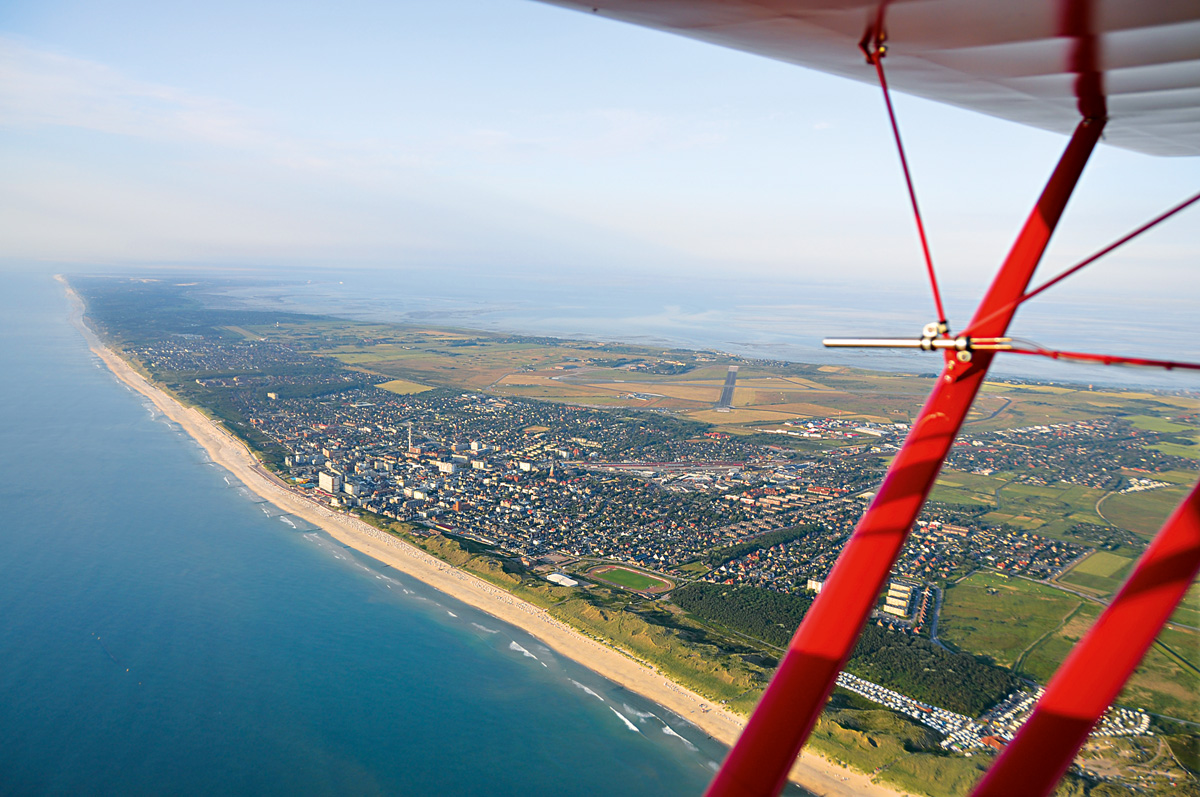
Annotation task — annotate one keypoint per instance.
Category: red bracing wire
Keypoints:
(1107, 359)
(1088, 261)
(876, 58)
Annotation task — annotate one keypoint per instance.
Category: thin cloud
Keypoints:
(40, 89)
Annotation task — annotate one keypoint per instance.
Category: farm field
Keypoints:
(1102, 564)
(957, 487)
(403, 387)
(1048, 509)
(1153, 423)
(1102, 572)
(1191, 452)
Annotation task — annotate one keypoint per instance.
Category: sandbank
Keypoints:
(811, 771)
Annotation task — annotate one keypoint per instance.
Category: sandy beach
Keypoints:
(811, 771)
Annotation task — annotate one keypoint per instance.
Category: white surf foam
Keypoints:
(669, 731)
(452, 614)
(485, 628)
(514, 646)
(642, 715)
(625, 720)
(287, 520)
(589, 691)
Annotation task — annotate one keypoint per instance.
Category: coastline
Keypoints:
(811, 771)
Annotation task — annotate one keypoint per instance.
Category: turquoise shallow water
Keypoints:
(163, 632)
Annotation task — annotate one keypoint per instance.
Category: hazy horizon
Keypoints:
(515, 137)
(775, 320)
(520, 148)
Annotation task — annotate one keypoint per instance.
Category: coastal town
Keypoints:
(566, 492)
(550, 480)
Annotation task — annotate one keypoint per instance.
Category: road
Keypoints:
(933, 624)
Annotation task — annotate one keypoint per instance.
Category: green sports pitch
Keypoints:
(627, 578)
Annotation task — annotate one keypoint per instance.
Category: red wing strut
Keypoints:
(1043, 63)
(759, 762)
(1089, 680)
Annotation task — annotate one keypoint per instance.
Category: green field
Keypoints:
(1101, 585)
(957, 487)
(634, 580)
(1188, 612)
(1102, 573)
(1089, 578)
(1184, 432)
(992, 615)
(1187, 478)
(1103, 564)
(1189, 452)
(1153, 423)
(1034, 626)
(1166, 682)
(1142, 512)
(1048, 509)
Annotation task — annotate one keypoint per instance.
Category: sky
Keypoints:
(512, 136)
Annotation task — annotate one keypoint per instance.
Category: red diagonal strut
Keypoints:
(1089, 680)
(759, 762)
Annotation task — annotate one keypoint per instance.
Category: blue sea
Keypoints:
(165, 632)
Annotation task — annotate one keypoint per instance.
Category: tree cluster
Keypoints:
(720, 556)
(919, 668)
(760, 613)
(911, 665)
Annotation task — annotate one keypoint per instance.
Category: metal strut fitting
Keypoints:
(935, 336)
